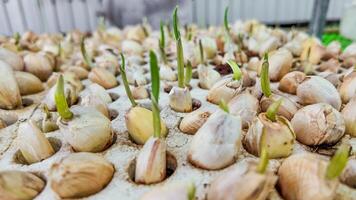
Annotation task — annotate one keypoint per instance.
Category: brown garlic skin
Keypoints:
(318, 124)
(39, 65)
(242, 182)
(11, 58)
(302, 177)
(348, 176)
(175, 191)
(19, 185)
(287, 109)
(28, 83)
(347, 88)
(349, 115)
(10, 97)
(289, 83)
(280, 63)
(225, 89)
(102, 77)
(191, 123)
(80, 175)
(315, 89)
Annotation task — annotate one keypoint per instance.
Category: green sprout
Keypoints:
(237, 74)
(162, 43)
(61, 101)
(273, 109)
(338, 162)
(188, 73)
(87, 59)
(155, 94)
(180, 56)
(223, 106)
(188, 32)
(265, 83)
(226, 22)
(17, 38)
(126, 83)
(262, 165)
(101, 24)
(143, 26)
(191, 191)
(201, 50)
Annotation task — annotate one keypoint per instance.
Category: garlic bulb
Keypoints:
(32, 142)
(28, 83)
(141, 130)
(242, 182)
(70, 93)
(151, 161)
(348, 176)
(88, 130)
(38, 65)
(10, 97)
(280, 63)
(192, 122)
(349, 115)
(97, 103)
(102, 77)
(315, 89)
(318, 124)
(290, 82)
(348, 87)
(11, 58)
(246, 106)
(287, 109)
(207, 76)
(302, 176)
(216, 144)
(180, 99)
(167, 73)
(175, 191)
(98, 90)
(19, 185)
(80, 175)
(225, 89)
(140, 92)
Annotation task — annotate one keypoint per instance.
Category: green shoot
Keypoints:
(176, 24)
(60, 50)
(188, 73)
(265, 83)
(101, 24)
(237, 74)
(180, 56)
(61, 101)
(17, 38)
(191, 191)
(143, 26)
(262, 165)
(201, 50)
(273, 109)
(226, 22)
(87, 59)
(156, 117)
(188, 32)
(338, 162)
(126, 83)
(223, 106)
(168, 26)
(162, 43)
(155, 81)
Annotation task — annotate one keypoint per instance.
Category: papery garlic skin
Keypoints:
(69, 92)
(216, 144)
(349, 115)
(315, 89)
(38, 65)
(280, 63)
(167, 73)
(32, 142)
(97, 103)
(19, 185)
(98, 90)
(10, 97)
(289, 83)
(302, 177)
(175, 191)
(191, 123)
(209, 47)
(140, 92)
(141, 130)
(348, 176)
(131, 47)
(243, 183)
(102, 77)
(151, 162)
(207, 76)
(180, 99)
(318, 124)
(11, 58)
(28, 83)
(80, 72)
(225, 89)
(88, 130)
(287, 109)
(347, 88)
(80, 175)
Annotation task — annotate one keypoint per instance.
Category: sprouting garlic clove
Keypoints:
(315, 89)
(216, 144)
(225, 89)
(49, 122)
(102, 77)
(39, 65)
(302, 176)
(80, 175)
(254, 64)
(28, 83)
(318, 124)
(11, 58)
(88, 130)
(140, 92)
(98, 90)
(242, 182)
(97, 103)
(192, 122)
(32, 142)
(287, 109)
(348, 87)
(348, 176)
(278, 137)
(174, 191)
(167, 73)
(349, 115)
(207, 76)
(141, 130)
(108, 62)
(80, 72)
(289, 83)
(136, 33)
(10, 97)
(280, 63)
(136, 78)
(130, 47)
(70, 94)
(180, 99)
(313, 52)
(209, 47)
(72, 79)
(19, 185)
(151, 162)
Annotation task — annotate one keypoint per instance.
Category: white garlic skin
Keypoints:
(28, 83)
(99, 91)
(11, 58)
(347, 88)
(225, 89)
(289, 82)
(191, 123)
(349, 115)
(97, 103)
(287, 109)
(280, 63)
(180, 99)
(38, 64)
(348, 176)
(174, 191)
(10, 97)
(207, 76)
(69, 92)
(167, 73)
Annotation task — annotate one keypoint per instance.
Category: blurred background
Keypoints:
(64, 15)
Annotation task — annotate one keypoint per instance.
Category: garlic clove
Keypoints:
(70, 93)
(88, 131)
(317, 52)
(287, 109)
(151, 162)
(289, 83)
(80, 72)
(318, 124)
(11, 58)
(348, 87)
(80, 175)
(10, 97)
(97, 103)
(280, 63)
(32, 142)
(16, 185)
(98, 90)
(225, 89)
(175, 191)
(28, 83)
(49, 122)
(136, 33)
(38, 65)
(349, 115)
(167, 73)
(180, 99)
(192, 122)
(348, 176)
(140, 92)
(141, 130)
(207, 76)
(216, 144)
(102, 77)
(130, 47)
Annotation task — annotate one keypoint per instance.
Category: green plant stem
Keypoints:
(226, 22)
(162, 43)
(61, 102)
(126, 83)
(338, 162)
(237, 74)
(191, 191)
(17, 38)
(201, 50)
(188, 73)
(223, 106)
(180, 56)
(155, 80)
(265, 82)
(101, 24)
(156, 118)
(262, 165)
(273, 109)
(87, 59)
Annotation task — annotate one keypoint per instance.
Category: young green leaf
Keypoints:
(180, 56)
(101, 24)
(155, 81)
(162, 43)
(61, 101)
(191, 191)
(188, 73)
(237, 74)
(17, 38)
(124, 80)
(176, 24)
(223, 106)
(143, 26)
(156, 117)
(87, 59)
(273, 109)
(201, 50)
(338, 162)
(262, 165)
(226, 22)
(265, 83)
